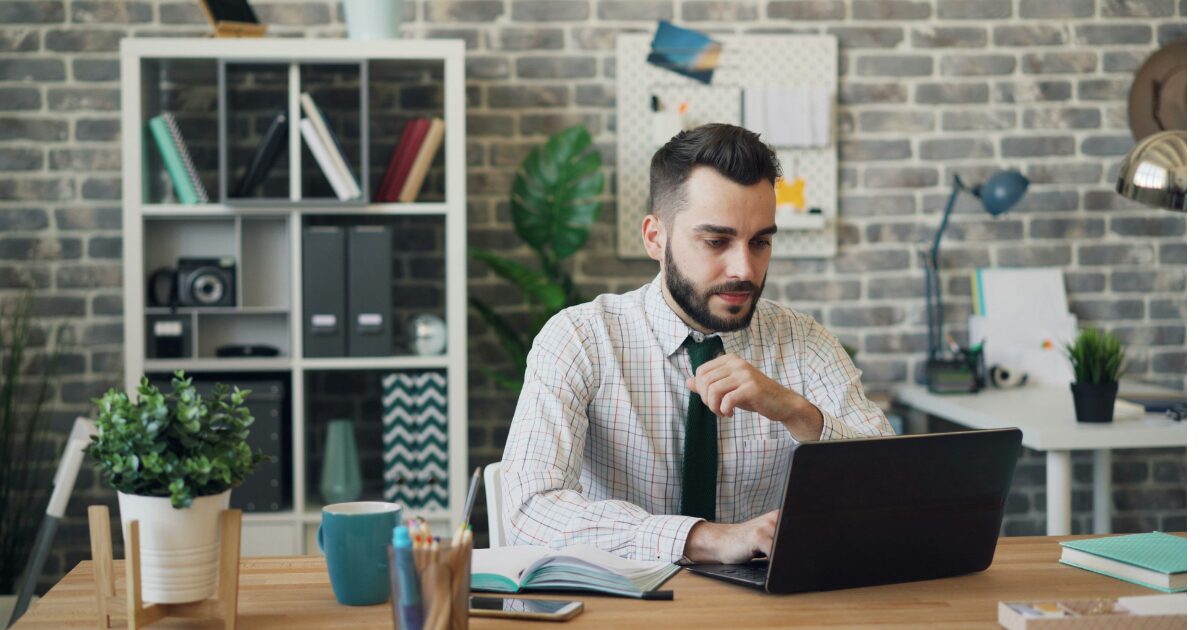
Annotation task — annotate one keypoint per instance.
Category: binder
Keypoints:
(369, 278)
(324, 254)
(270, 147)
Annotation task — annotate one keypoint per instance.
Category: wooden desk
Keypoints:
(295, 593)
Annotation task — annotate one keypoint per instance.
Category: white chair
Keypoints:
(497, 537)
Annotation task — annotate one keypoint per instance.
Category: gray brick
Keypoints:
(851, 206)
(823, 290)
(486, 68)
(465, 10)
(881, 372)
(31, 12)
(1032, 91)
(1066, 228)
(181, 13)
(95, 70)
(292, 13)
(530, 39)
(1123, 254)
(23, 219)
(469, 36)
(1168, 33)
(91, 275)
(1106, 145)
(20, 98)
(1033, 256)
(86, 159)
(37, 129)
(1102, 34)
(1035, 146)
(1159, 224)
(1123, 61)
(490, 125)
(973, 9)
(894, 343)
(1172, 253)
(1048, 201)
(852, 37)
(36, 189)
(589, 38)
(1074, 62)
(872, 93)
(549, 10)
(546, 124)
(600, 95)
(1056, 8)
(1170, 363)
(1170, 308)
(19, 40)
(83, 99)
(1084, 282)
(1170, 472)
(990, 229)
(1138, 8)
(514, 96)
(719, 10)
(631, 10)
(24, 276)
(895, 66)
(890, 10)
(96, 129)
(20, 159)
(88, 218)
(1108, 200)
(108, 305)
(865, 316)
(898, 121)
(978, 65)
(26, 69)
(510, 155)
(40, 248)
(807, 10)
(955, 93)
(83, 40)
(899, 233)
(1158, 281)
(104, 247)
(900, 177)
(955, 148)
(1104, 89)
(948, 37)
(1061, 118)
(1029, 35)
(865, 150)
(986, 120)
(58, 306)
(872, 260)
(557, 67)
(111, 12)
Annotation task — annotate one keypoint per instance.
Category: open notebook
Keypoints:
(577, 568)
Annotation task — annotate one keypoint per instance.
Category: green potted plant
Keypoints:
(554, 204)
(173, 459)
(1098, 360)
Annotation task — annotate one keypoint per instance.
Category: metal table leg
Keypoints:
(1102, 491)
(1058, 493)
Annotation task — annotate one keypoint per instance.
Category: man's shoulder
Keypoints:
(602, 308)
(777, 318)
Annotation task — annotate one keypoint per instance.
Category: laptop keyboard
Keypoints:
(755, 573)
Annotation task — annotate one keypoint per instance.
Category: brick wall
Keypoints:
(928, 88)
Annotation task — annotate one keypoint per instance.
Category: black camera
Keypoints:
(206, 282)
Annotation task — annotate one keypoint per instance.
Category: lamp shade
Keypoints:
(1002, 191)
(1155, 171)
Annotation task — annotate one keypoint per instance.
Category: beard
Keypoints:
(694, 302)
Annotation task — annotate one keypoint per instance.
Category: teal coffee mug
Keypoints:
(354, 538)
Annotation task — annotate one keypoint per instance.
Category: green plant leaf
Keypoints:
(515, 345)
(547, 186)
(536, 286)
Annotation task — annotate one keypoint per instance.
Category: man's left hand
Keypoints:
(730, 382)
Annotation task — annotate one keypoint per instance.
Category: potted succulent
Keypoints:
(1098, 360)
(173, 459)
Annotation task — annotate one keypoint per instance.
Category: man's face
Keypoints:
(717, 251)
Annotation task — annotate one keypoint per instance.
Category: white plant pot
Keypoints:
(179, 548)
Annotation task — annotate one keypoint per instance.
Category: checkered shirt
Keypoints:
(595, 451)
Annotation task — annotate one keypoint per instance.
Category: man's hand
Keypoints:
(729, 382)
(731, 544)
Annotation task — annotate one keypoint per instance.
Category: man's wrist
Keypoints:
(806, 420)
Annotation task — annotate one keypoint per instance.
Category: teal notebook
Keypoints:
(577, 568)
(1154, 560)
(165, 134)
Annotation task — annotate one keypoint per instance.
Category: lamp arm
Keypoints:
(933, 281)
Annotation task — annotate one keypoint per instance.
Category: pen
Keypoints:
(474, 489)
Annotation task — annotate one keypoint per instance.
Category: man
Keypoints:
(618, 441)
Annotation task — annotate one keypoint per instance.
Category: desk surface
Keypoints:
(294, 593)
(1046, 416)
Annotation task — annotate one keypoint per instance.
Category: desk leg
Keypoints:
(1102, 491)
(1058, 493)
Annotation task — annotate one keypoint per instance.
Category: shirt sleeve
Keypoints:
(834, 385)
(543, 501)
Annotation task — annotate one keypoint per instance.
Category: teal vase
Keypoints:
(341, 480)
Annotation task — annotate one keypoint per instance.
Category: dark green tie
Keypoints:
(699, 496)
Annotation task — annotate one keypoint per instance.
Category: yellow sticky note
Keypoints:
(790, 192)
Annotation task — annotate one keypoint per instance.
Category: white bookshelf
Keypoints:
(153, 223)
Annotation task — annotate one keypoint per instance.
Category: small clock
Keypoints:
(427, 335)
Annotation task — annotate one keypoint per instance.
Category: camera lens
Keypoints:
(208, 288)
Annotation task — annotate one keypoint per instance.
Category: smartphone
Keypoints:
(533, 609)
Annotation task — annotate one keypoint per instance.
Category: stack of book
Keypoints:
(411, 159)
(1155, 560)
(327, 150)
(185, 179)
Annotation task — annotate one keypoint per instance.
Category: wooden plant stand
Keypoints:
(223, 607)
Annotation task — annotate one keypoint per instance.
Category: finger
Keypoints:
(716, 392)
(736, 399)
(691, 385)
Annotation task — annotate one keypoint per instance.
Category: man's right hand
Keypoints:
(731, 544)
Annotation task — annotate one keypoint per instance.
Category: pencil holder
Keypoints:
(444, 571)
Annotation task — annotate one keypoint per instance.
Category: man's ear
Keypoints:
(654, 237)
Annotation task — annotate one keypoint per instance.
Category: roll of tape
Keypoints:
(1005, 378)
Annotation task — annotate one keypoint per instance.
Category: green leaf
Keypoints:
(536, 286)
(513, 343)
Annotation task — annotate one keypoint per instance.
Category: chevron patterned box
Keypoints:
(415, 440)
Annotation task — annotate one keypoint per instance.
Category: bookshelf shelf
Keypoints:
(223, 94)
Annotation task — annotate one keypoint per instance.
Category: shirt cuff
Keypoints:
(827, 422)
(663, 538)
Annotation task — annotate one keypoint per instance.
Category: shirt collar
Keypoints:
(670, 331)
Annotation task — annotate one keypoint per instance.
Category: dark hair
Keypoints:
(736, 153)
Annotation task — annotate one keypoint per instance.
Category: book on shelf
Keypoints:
(312, 140)
(420, 168)
(341, 165)
(393, 163)
(1155, 560)
(410, 144)
(185, 179)
(577, 568)
(265, 155)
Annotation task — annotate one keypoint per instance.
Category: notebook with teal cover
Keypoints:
(1154, 559)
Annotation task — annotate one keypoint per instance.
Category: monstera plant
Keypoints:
(554, 204)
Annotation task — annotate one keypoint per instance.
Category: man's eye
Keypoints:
(762, 242)
(714, 242)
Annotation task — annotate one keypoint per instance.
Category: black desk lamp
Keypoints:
(998, 194)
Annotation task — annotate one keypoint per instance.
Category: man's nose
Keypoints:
(739, 263)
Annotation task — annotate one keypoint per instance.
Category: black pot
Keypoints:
(1094, 402)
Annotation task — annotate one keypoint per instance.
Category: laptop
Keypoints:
(873, 511)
